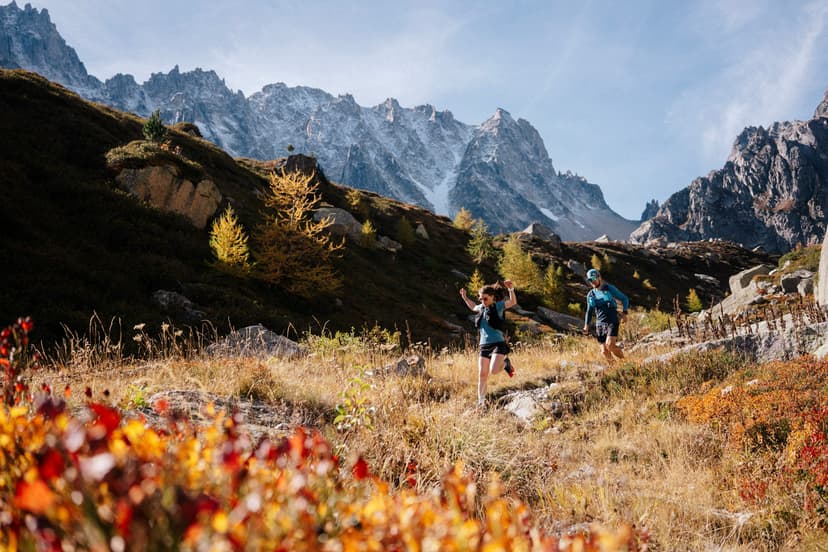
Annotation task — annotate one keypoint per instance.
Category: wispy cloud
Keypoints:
(408, 60)
(763, 80)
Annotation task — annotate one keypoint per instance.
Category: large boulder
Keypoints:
(790, 282)
(742, 280)
(255, 341)
(543, 232)
(162, 187)
(745, 290)
(576, 267)
(343, 223)
(175, 304)
(560, 321)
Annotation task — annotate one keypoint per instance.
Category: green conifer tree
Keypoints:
(154, 129)
(481, 244)
(517, 265)
(405, 232)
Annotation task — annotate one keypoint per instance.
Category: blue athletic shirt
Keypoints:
(488, 334)
(601, 302)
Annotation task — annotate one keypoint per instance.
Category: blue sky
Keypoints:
(639, 96)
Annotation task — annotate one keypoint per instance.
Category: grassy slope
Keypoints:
(622, 450)
(74, 244)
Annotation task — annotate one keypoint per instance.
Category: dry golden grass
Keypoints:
(623, 455)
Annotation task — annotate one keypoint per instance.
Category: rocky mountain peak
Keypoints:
(197, 79)
(500, 118)
(771, 193)
(822, 108)
(650, 210)
(390, 109)
(29, 40)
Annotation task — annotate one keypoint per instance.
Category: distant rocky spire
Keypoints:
(650, 210)
(822, 108)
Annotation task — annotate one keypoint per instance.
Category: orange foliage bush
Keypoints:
(116, 484)
(765, 411)
(97, 481)
(782, 416)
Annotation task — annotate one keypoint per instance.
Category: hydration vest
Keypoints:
(491, 316)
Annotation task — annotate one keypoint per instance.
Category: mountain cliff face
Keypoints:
(771, 193)
(29, 40)
(499, 170)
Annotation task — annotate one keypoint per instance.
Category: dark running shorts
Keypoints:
(501, 348)
(604, 329)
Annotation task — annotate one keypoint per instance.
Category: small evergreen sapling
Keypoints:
(368, 238)
(154, 129)
(476, 282)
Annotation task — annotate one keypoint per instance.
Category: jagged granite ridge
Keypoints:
(771, 192)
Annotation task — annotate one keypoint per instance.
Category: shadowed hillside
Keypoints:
(75, 243)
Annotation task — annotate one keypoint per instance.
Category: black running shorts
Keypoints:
(604, 329)
(501, 348)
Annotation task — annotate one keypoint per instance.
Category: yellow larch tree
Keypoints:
(228, 241)
(294, 251)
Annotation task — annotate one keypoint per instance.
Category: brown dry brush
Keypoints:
(798, 314)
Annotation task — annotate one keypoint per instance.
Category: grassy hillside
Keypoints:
(74, 244)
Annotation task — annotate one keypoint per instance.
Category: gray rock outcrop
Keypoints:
(560, 321)
(162, 187)
(343, 223)
(791, 281)
(745, 290)
(764, 343)
(175, 304)
(255, 341)
(543, 232)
